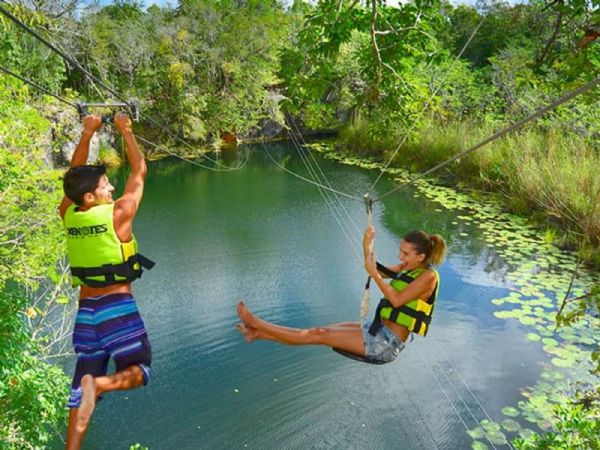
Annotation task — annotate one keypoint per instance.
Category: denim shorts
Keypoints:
(384, 346)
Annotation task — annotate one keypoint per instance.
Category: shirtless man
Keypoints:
(102, 252)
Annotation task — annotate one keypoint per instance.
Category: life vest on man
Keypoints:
(414, 315)
(96, 255)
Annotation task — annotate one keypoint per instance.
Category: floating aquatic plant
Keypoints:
(539, 276)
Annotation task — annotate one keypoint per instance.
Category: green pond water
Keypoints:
(491, 366)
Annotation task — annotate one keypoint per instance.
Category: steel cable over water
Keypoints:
(146, 141)
(435, 377)
(454, 370)
(323, 191)
(304, 145)
(334, 201)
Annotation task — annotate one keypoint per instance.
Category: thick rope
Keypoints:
(366, 298)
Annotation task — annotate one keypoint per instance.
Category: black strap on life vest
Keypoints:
(419, 316)
(126, 270)
(386, 271)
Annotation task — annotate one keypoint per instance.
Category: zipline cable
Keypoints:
(454, 370)
(326, 181)
(188, 160)
(63, 100)
(461, 398)
(322, 190)
(565, 98)
(407, 134)
(330, 199)
(435, 377)
(166, 130)
(37, 86)
(322, 186)
(91, 76)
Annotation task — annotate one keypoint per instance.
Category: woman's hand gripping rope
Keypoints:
(370, 265)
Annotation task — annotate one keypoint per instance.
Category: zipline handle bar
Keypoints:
(133, 107)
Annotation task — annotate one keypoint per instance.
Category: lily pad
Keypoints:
(476, 445)
(510, 411)
(552, 375)
(526, 433)
(511, 425)
(489, 426)
(533, 337)
(496, 437)
(559, 362)
(545, 425)
(527, 320)
(476, 433)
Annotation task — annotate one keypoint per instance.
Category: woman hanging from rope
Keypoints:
(406, 307)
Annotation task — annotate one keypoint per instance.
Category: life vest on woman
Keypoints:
(96, 255)
(414, 315)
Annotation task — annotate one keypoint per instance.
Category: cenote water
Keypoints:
(492, 361)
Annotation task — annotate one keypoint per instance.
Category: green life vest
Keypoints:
(414, 315)
(96, 255)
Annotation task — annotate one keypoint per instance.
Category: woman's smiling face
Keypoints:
(409, 257)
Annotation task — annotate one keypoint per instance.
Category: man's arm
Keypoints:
(80, 155)
(127, 205)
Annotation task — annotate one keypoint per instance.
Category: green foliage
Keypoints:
(577, 428)
(24, 55)
(108, 156)
(203, 69)
(32, 392)
(341, 64)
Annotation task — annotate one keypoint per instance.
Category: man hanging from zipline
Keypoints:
(102, 253)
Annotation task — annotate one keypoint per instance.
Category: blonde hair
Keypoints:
(432, 246)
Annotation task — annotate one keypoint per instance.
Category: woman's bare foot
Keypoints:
(246, 315)
(250, 334)
(88, 402)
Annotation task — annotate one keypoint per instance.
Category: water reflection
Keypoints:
(267, 236)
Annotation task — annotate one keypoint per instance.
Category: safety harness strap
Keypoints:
(125, 270)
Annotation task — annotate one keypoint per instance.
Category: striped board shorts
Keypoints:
(108, 326)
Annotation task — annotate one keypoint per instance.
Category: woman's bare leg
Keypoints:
(346, 335)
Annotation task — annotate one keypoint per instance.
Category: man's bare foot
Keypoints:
(250, 334)
(246, 315)
(88, 402)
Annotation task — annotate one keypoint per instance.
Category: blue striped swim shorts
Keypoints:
(108, 326)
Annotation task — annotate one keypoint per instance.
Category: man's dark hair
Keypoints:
(81, 179)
